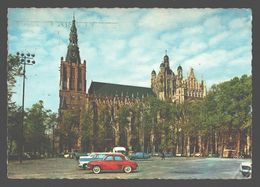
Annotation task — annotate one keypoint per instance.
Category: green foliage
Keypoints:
(69, 128)
(13, 70)
(38, 123)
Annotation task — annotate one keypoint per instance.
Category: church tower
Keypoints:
(72, 90)
(72, 75)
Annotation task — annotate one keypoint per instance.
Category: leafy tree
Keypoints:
(14, 129)
(36, 120)
(69, 129)
(14, 69)
(87, 129)
(14, 112)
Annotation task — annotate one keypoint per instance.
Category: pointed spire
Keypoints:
(73, 49)
(192, 73)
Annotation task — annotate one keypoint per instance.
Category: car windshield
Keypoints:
(83, 159)
(246, 167)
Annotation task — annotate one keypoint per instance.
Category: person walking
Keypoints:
(163, 156)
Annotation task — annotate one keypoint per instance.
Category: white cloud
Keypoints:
(163, 19)
(240, 23)
(218, 38)
(213, 25)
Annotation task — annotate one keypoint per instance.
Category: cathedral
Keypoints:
(174, 88)
(165, 85)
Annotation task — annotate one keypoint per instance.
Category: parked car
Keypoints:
(84, 160)
(113, 162)
(197, 155)
(78, 154)
(119, 150)
(246, 169)
(139, 155)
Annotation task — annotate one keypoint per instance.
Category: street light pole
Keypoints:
(24, 60)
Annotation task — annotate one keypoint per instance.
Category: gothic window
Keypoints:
(73, 73)
(72, 78)
(64, 81)
(79, 79)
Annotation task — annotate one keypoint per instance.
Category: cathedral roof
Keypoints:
(108, 89)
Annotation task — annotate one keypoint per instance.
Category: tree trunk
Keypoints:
(116, 133)
(248, 143)
(216, 143)
(184, 145)
(128, 132)
(152, 142)
(238, 142)
(206, 146)
(222, 146)
(188, 146)
(141, 132)
(199, 144)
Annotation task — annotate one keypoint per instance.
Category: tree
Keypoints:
(13, 127)
(87, 129)
(36, 124)
(69, 129)
(14, 69)
(14, 112)
(230, 105)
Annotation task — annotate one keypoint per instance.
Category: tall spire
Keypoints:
(73, 49)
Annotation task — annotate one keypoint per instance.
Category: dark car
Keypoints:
(139, 155)
(246, 168)
(113, 162)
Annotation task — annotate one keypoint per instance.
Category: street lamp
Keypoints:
(24, 59)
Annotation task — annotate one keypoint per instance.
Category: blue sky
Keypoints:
(124, 45)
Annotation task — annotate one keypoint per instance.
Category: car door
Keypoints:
(108, 162)
(119, 162)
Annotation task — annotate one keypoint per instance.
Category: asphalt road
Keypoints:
(154, 168)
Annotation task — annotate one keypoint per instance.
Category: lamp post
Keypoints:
(24, 59)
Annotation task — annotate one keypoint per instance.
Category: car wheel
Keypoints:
(96, 169)
(127, 169)
(246, 174)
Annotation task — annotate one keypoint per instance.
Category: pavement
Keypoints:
(153, 168)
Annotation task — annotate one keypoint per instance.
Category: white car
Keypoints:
(84, 160)
(246, 169)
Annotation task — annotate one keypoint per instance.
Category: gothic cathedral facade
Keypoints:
(74, 97)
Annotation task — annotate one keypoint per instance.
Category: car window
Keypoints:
(92, 155)
(101, 156)
(118, 158)
(109, 157)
